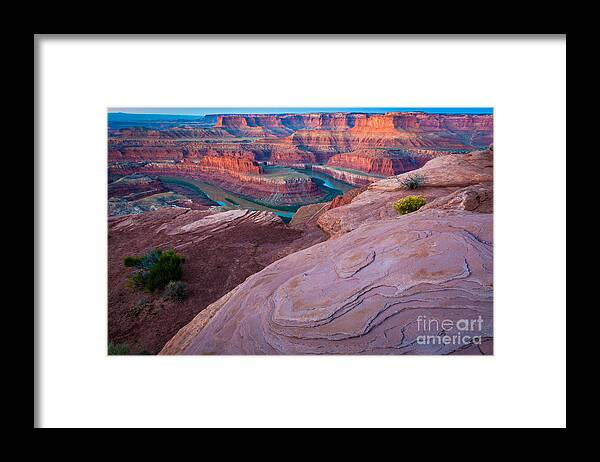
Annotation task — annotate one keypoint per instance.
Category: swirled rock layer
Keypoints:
(370, 291)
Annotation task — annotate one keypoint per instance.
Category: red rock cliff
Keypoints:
(225, 164)
(377, 162)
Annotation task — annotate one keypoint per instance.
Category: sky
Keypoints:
(271, 110)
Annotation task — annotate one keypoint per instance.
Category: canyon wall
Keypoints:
(356, 179)
(230, 164)
(378, 163)
(411, 121)
(339, 144)
(273, 190)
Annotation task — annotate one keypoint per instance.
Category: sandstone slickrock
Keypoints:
(308, 215)
(443, 175)
(362, 293)
(347, 197)
(476, 198)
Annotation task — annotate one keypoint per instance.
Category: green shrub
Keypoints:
(137, 279)
(409, 204)
(175, 290)
(413, 181)
(131, 261)
(168, 268)
(118, 348)
(155, 269)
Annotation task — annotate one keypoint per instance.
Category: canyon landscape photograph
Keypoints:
(293, 231)
(299, 231)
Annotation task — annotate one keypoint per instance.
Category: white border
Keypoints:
(522, 385)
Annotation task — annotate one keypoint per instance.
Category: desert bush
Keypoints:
(118, 348)
(413, 181)
(409, 204)
(167, 268)
(155, 269)
(131, 261)
(150, 259)
(175, 290)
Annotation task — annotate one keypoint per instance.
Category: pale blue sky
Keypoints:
(271, 110)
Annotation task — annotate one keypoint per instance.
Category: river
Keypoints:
(210, 194)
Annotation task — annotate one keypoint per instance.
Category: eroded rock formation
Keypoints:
(355, 178)
(234, 174)
(386, 163)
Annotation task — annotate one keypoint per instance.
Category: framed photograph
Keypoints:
(282, 231)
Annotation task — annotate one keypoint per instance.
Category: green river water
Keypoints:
(214, 195)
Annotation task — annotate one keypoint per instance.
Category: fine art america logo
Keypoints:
(449, 331)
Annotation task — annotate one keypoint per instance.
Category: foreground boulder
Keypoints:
(402, 285)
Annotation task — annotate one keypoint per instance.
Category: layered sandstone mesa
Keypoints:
(442, 176)
(285, 139)
(378, 162)
(253, 126)
(281, 151)
(420, 121)
(135, 186)
(142, 133)
(176, 168)
(355, 177)
(230, 163)
(286, 189)
(326, 134)
(283, 124)
(368, 292)
(143, 153)
(295, 190)
(221, 250)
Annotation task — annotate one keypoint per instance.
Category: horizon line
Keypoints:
(259, 111)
